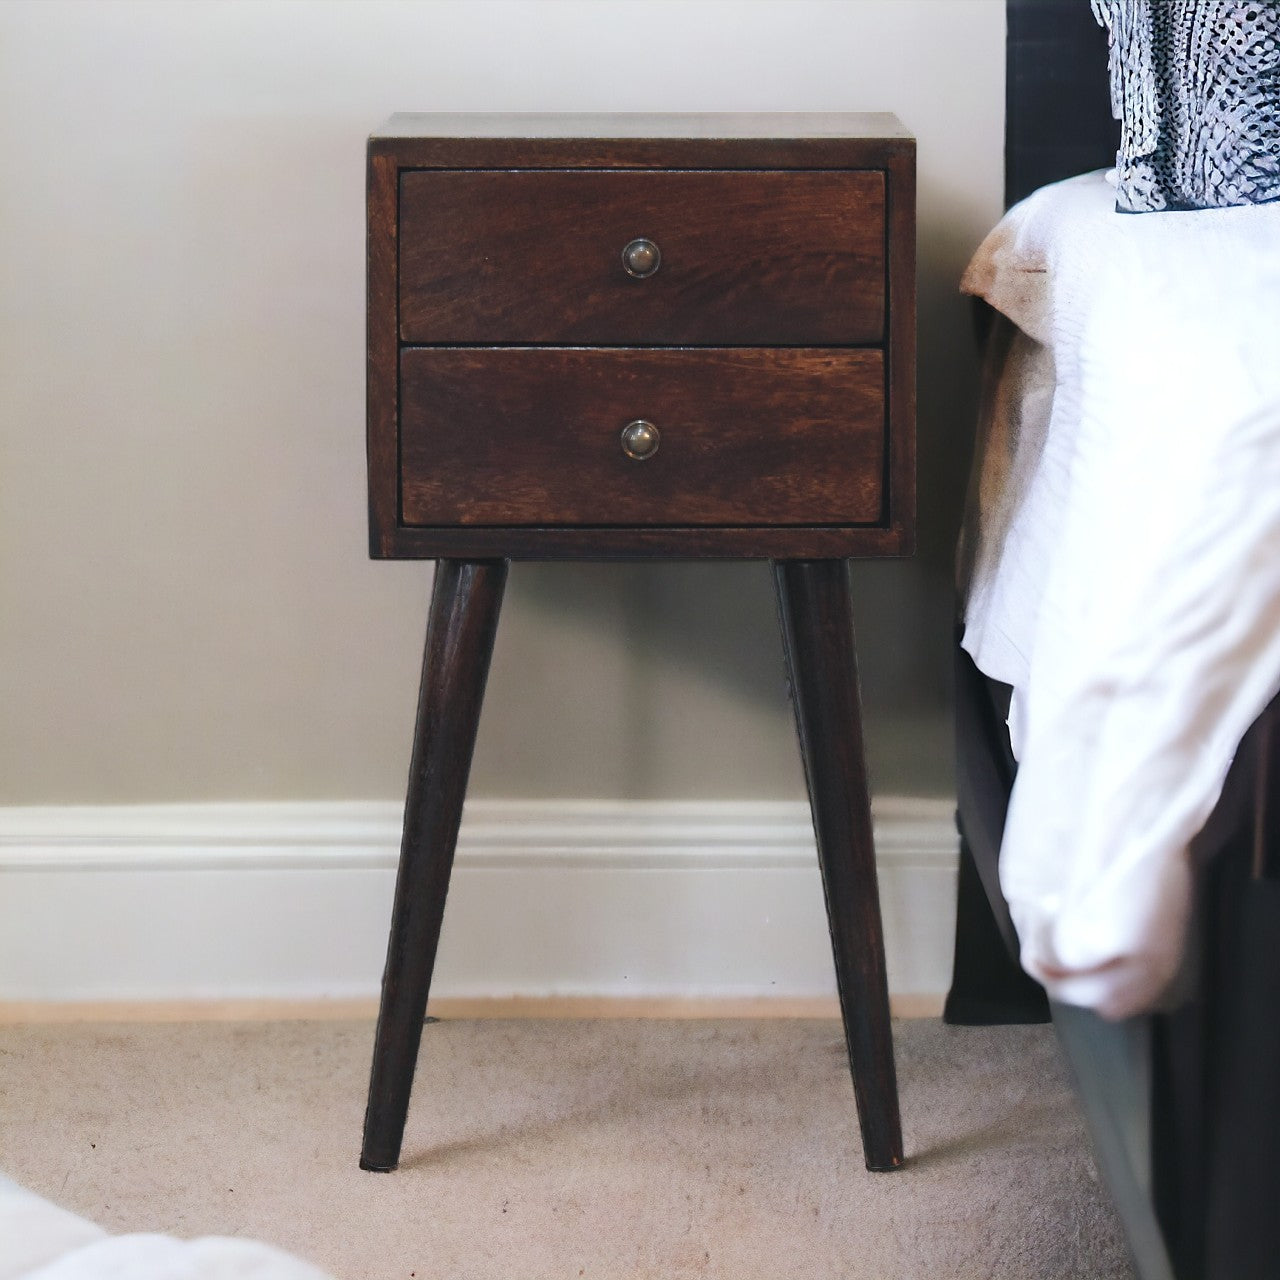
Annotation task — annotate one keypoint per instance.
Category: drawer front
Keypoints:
(533, 436)
(794, 257)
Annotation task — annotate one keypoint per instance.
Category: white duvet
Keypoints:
(39, 1241)
(1125, 564)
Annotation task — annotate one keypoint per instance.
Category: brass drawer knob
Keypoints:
(640, 439)
(641, 258)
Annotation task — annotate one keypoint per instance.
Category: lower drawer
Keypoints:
(746, 436)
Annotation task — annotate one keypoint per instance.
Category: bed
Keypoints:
(1184, 1101)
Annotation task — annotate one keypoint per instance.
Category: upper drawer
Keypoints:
(748, 257)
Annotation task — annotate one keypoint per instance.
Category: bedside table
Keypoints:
(639, 336)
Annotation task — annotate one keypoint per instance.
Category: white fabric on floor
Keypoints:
(1125, 564)
(39, 1241)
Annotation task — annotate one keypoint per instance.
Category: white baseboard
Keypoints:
(560, 899)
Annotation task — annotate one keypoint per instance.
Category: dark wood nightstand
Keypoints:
(622, 337)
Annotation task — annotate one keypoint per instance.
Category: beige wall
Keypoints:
(186, 610)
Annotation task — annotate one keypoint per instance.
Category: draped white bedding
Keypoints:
(1123, 563)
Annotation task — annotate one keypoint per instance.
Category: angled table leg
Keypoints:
(817, 632)
(464, 618)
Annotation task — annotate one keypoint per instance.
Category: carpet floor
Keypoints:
(589, 1150)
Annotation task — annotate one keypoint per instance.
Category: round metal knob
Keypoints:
(640, 439)
(641, 258)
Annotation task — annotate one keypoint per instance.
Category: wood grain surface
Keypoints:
(529, 435)
(815, 607)
(535, 256)
(465, 601)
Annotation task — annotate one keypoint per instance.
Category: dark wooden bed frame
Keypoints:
(1183, 1107)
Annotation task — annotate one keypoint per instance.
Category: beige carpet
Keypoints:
(576, 1149)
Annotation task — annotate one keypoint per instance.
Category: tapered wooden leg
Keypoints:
(817, 632)
(464, 618)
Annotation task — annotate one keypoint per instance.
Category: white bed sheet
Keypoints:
(1123, 563)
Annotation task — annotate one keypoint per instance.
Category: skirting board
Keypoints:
(573, 901)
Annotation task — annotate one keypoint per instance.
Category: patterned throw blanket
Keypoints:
(1195, 85)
